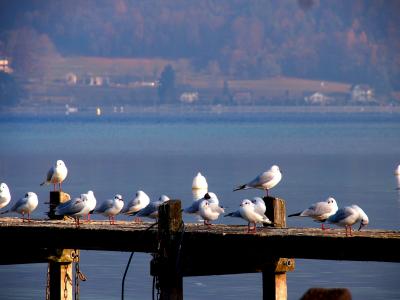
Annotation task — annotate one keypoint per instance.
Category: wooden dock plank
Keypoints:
(231, 241)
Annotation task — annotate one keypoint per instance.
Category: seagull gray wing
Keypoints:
(235, 214)
(70, 207)
(149, 209)
(322, 208)
(261, 179)
(104, 206)
(341, 214)
(20, 202)
(50, 174)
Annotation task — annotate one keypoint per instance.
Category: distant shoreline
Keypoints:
(194, 109)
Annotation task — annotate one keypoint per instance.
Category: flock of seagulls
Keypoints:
(206, 204)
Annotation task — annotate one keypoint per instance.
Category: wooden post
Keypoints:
(60, 282)
(60, 269)
(167, 266)
(276, 211)
(274, 276)
(55, 199)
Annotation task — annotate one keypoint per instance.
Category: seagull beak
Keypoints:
(361, 226)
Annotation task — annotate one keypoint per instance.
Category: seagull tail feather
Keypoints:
(229, 215)
(295, 215)
(241, 187)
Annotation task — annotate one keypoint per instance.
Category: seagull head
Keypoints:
(3, 187)
(364, 222)
(118, 197)
(246, 202)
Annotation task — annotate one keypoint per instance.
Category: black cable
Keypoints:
(129, 262)
(123, 278)
(178, 258)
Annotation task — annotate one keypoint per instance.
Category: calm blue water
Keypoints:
(351, 157)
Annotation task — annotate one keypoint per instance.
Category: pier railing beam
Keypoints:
(167, 265)
(274, 276)
(60, 277)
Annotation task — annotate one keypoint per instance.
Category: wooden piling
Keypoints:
(274, 276)
(166, 266)
(56, 198)
(60, 278)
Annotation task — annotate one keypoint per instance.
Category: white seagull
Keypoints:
(348, 216)
(5, 195)
(26, 205)
(111, 207)
(151, 210)
(265, 181)
(209, 211)
(140, 201)
(319, 211)
(251, 214)
(56, 174)
(75, 208)
(259, 205)
(194, 207)
(90, 202)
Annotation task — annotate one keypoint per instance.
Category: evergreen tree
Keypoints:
(166, 88)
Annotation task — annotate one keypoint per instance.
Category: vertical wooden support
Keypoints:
(60, 280)
(276, 211)
(274, 276)
(169, 274)
(60, 269)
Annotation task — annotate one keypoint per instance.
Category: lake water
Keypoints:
(351, 157)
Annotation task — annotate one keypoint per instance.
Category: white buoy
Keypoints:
(98, 111)
(199, 182)
(397, 171)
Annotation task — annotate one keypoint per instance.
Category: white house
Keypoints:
(189, 97)
(317, 98)
(5, 66)
(362, 93)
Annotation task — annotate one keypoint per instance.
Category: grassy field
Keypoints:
(152, 68)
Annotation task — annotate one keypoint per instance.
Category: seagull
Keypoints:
(348, 216)
(25, 205)
(209, 211)
(251, 213)
(75, 208)
(140, 201)
(259, 205)
(111, 207)
(5, 195)
(199, 182)
(56, 174)
(151, 210)
(319, 211)
(194, 207)
(90, 202)
(265, 181)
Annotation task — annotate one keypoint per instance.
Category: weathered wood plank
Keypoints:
(231, 241)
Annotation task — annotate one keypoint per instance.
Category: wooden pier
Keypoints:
(180, 249)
